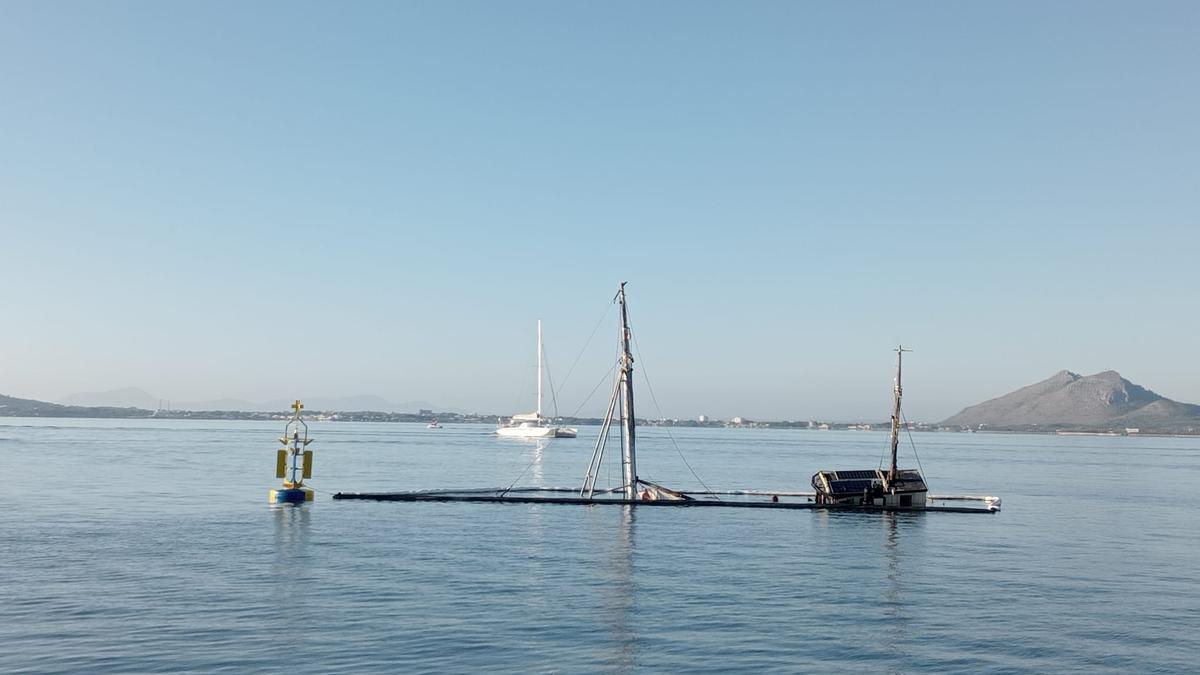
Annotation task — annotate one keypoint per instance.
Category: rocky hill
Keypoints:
(1068, 401)
(132, 397)
(24, 407)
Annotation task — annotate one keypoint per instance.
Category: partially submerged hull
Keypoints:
(742, 499)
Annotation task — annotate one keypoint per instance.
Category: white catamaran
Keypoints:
(534, 424)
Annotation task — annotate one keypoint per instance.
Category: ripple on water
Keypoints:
(123, 574)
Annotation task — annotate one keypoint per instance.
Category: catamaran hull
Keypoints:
(527, 432)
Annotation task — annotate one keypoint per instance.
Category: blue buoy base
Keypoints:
(290, 495)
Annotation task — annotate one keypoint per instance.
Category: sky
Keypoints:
(272, 200)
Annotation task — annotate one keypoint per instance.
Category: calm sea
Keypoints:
(140, 546)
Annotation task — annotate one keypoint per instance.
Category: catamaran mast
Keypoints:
(628, 458)
(539, 348)
(895, 440)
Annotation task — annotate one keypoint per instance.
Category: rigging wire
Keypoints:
(567, 377)
(599, 463)
(522, 474)
(621, 438)
(593, 392)
(522, 392)
(883, 455)
(914, 445)
(650, 388)
(614, 458)
(550, 379)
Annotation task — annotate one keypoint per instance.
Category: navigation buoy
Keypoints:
(293, 462)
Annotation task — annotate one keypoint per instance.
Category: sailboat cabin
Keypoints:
(870, 487)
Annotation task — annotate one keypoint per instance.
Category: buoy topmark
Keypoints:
(293, 462)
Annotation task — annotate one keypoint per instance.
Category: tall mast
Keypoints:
(628, 455)
(539, 348)
(895, 440)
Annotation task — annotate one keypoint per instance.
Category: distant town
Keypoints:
(426, 416)
(17, 407)
(1065, 403)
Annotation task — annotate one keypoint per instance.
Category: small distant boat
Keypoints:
(433, 425)
(895, 487)
(534, 424)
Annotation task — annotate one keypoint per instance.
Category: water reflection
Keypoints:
(291, 531)
(898, 530)
(617, 600)
(537, 462)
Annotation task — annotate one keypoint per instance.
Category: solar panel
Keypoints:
(851, 486)
(853, 475)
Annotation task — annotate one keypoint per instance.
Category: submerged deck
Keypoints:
(741, 499)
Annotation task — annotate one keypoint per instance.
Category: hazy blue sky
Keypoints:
(266, 200)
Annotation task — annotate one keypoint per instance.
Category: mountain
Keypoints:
(132, 397)
(23, 407)
(1067, 400)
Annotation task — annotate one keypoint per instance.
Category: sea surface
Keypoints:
(148, 546)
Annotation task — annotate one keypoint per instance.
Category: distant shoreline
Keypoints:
(81, 412)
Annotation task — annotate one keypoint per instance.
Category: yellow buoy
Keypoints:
(293, 462)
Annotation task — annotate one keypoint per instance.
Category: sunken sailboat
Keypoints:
(906, 489)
